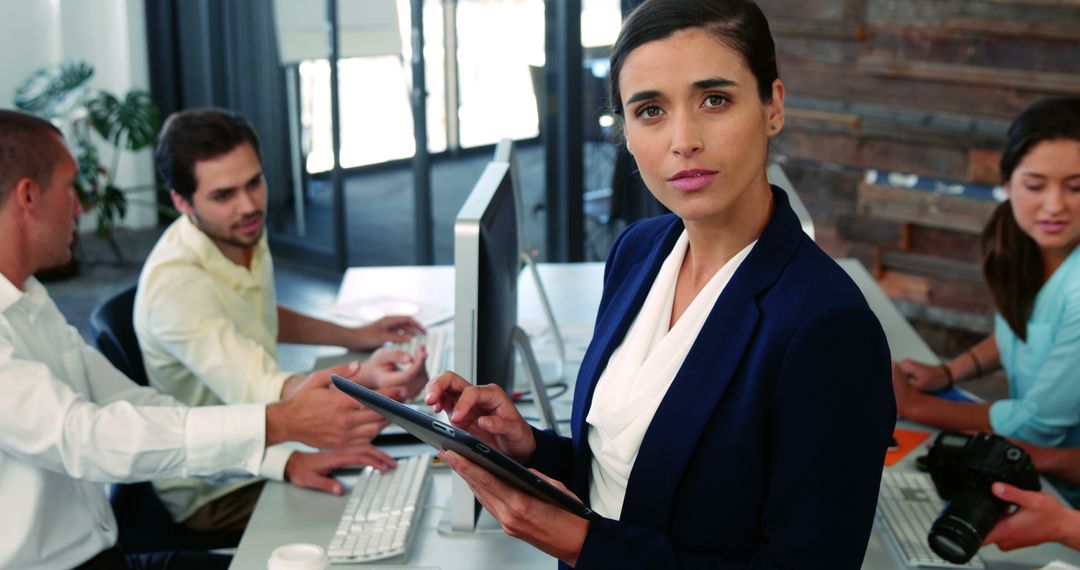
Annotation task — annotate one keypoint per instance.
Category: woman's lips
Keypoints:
(1053, 227)
(690, 180)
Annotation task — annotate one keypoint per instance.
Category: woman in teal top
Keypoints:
(1032, 267)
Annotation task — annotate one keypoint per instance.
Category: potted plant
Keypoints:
(62, 94)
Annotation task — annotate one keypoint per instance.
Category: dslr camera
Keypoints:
(963, 467)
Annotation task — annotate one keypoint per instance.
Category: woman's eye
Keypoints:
(715, 101)
(649, 112)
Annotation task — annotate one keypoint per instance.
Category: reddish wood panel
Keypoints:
(926, 209)
(948, 244)
(984, 166)
(955, 295)
(962, 47)
(830, 10)
(850, 84)
(866, 230)
(938, 162)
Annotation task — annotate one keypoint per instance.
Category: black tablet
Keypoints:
(442, 435)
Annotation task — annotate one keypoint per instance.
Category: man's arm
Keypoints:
(294, 327)
(46, 423)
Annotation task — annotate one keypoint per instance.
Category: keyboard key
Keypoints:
(381, 513)
(907, 505)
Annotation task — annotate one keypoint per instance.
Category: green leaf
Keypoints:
(129, 124)
(55, 91)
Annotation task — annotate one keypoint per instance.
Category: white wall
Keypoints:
(108, 34)
(29, 38)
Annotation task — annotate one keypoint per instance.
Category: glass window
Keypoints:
(498, 41)
(376, 115)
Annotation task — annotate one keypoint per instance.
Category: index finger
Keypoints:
(444, 390)
(477, 401)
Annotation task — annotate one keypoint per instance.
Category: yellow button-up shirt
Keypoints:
(208, 332)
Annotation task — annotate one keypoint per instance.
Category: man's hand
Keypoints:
(1040, 518)
(382, 331)
(311, 470)
(319, 415)
(389, 368)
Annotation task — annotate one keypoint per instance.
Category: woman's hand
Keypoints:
(522, 516)
(923, 376)
(907, 394)
(484, 411)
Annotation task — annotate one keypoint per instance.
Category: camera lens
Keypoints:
(959, 532)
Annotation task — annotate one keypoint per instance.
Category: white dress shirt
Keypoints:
(70, 422)
(639, 373)
(208, 332)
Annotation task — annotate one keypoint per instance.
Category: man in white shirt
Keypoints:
(69, 421)
(206, 313)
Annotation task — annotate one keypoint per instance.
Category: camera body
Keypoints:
(963, 467)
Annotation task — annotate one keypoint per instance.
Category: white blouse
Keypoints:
(639, 373)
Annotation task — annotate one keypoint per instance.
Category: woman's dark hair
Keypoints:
(1012, 265)
(738, 24)
(198, 134)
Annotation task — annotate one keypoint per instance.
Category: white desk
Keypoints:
(287, 514)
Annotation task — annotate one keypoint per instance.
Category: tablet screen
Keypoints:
(442, 435)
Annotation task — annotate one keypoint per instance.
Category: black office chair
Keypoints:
(145, 525)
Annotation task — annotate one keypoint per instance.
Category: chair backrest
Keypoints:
(113, 329)
(776, 176)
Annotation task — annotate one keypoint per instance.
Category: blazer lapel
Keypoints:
(610, 329)
(713, 361)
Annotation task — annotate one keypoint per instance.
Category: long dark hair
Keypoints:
(738, 24)
(1012, 265)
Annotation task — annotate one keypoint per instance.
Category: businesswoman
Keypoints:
(1032, 267)
(734, 407)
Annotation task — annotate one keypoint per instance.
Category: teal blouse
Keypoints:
(1044, 373)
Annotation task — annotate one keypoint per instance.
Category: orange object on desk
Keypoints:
(906, 440)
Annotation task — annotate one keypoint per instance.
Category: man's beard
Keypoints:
(228, 238)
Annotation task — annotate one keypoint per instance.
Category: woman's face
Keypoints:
(1044, 190)
(696, 125)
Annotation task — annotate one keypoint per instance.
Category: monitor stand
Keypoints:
(464, 509)
(549, 315)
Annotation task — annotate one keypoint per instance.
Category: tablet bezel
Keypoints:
(441, 435)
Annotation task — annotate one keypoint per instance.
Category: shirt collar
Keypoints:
(10, 295)
(210, 257)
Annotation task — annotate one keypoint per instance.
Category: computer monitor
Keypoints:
(486, 256)
(487, 262)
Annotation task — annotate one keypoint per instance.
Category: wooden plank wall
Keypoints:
(917, 86)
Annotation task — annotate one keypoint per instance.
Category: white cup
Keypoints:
(298, 556)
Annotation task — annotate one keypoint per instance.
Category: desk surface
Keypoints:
(287, 514)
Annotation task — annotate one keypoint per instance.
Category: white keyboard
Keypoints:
(907, 505)
(382, 512)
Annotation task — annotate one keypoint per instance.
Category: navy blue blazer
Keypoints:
(767, 450)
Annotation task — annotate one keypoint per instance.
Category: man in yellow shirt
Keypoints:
(207, 317)
(70, 421)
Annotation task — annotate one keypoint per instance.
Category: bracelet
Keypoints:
(978, 365)
(948, 374)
